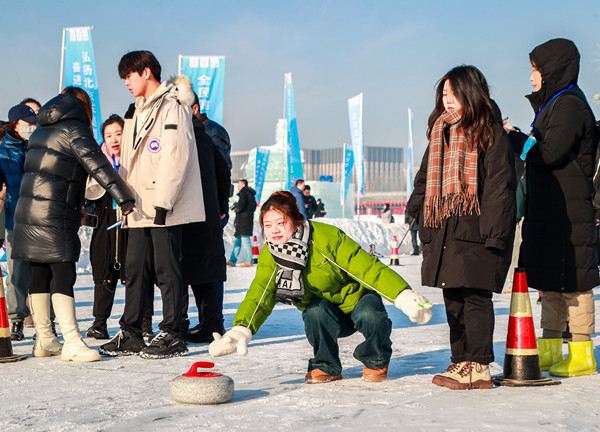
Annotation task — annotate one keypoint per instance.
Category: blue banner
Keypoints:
(80, 69)
(347, 173)
(208, 81)
(293, 145)
(409, 157)
(356, 133)
(260, 167)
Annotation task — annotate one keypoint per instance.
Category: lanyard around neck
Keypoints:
(550, 100)
(115, 164)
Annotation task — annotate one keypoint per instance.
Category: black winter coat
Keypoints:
(559, 237)
(61, 154)
(203, 249)
(107, 248)
(472, 251)
(244, 209)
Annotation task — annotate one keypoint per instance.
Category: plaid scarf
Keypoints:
(291, 258)
(451, 173)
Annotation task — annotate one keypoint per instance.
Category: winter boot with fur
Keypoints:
(45, 344)
(580, 361)
(550, 352)
(74, 348)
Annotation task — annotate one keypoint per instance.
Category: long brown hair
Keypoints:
(478, 112)
(81, 94)
(285, 203)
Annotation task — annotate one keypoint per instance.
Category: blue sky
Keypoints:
(392, 51)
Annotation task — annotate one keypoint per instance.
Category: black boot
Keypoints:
(204, 335)
(147, 329)
(98, 330)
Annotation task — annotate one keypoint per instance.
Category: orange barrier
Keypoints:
(6, 352)
(255, 250)
(521, 359)
(394, 261)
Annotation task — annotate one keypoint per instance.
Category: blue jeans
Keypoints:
(324, 323)
(237, 245)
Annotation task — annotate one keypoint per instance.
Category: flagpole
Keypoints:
(179, 64)
(62, 61)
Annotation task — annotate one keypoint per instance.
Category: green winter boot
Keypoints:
(580, 361)
(550, 352)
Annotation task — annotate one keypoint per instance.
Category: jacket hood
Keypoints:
(558, 62)
(62, 107)
(183, 86)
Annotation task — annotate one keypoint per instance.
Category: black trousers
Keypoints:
(207, 302)
(470, 314)
(63, 274)
(104, 297)
(158, 249)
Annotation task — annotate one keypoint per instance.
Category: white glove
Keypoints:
(236, 339)
(415, 306)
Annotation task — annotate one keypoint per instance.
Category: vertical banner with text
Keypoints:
(346, 173)
(260, 171)
(293, 145)
(80, 69)
(409, 158)
(356, 133)
(207, 74)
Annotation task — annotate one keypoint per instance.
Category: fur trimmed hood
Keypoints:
(185, 93)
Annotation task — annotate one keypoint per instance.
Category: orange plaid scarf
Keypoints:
(451, 173)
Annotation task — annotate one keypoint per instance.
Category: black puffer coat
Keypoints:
(61, 153)
(472, 251)
(203, 250)
(559, 237)
(244, 209)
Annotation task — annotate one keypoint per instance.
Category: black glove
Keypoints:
(127, 206)
(161, 216)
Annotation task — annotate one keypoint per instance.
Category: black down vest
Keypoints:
(61, 153)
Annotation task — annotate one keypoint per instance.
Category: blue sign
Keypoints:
(80, 69)
(260, 171)
(347, 173)
(208, 81)
(293, 145)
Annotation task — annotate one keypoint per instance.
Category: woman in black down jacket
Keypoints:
(559, 237)
(464, 204)
(61, 153)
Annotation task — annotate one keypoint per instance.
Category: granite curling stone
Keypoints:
(204, 388)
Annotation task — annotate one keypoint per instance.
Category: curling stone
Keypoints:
(204, 388)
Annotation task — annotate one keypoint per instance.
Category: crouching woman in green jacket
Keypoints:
(337, 286)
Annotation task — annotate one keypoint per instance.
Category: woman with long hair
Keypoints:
(337, 285)
(61, 154)
(464, 204)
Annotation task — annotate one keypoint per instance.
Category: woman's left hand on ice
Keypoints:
(415, 306)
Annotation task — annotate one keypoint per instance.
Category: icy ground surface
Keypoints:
(125, 394)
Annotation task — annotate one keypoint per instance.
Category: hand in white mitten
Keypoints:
(236, 339)
(415, 306)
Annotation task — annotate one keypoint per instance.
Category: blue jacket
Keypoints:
(12, 161)
(299, 199)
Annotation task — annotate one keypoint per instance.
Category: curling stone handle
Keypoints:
(193, 372)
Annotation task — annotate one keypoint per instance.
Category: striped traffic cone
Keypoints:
(6, 352)
(394, 261)
(255, 250)
(521, 359)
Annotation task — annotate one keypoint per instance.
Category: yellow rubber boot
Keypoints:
(580, 361)
(550, 352)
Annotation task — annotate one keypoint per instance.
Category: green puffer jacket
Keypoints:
(338, 270)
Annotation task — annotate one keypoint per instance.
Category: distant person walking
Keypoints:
(386, 214)
(244, 224)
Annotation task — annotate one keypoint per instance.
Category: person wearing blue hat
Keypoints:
(22, 121)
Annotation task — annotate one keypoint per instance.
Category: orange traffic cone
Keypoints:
(6, 352)
(394, 261)
(255, 250)
(521, 360)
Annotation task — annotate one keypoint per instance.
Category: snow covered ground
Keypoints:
(124, 394)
